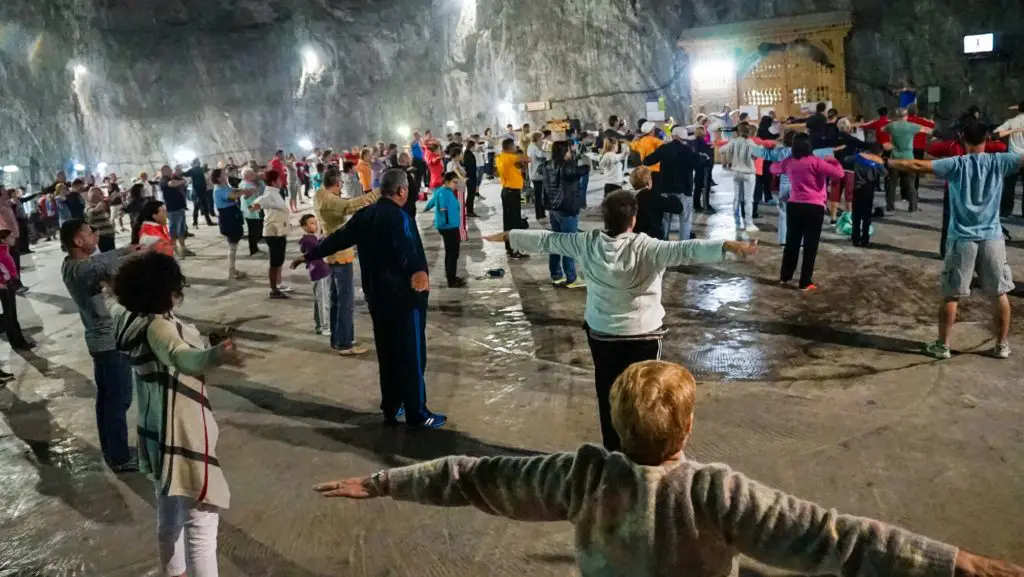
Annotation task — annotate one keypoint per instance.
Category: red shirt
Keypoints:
(921, 139)
(278, 165)
(436, 167)
(881, 136)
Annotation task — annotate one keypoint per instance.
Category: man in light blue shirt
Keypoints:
(975, 242)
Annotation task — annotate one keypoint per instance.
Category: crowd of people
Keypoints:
(366, 200)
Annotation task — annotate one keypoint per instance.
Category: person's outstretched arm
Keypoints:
(919, 166)
(666, 253)
(344, 237)
(541, 488)
(563, 243)
(781, 530)
(171, 350)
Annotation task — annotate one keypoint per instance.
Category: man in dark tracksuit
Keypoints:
(396, 285)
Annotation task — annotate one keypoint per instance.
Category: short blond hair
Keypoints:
(652, 410)
(640, 178)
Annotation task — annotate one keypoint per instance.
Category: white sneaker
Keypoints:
(285, 288)
(1001, 351)
(752, 228)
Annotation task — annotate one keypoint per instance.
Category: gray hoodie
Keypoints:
(623, 273)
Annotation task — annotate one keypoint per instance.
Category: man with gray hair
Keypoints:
(396, 285)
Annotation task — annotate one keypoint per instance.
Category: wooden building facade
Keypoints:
(780, 64)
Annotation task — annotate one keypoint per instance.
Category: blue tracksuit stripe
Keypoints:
(420, 365)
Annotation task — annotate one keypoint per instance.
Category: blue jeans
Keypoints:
(113, 399)
(584, 183)
(563, 266)
(685, 218)
(783, 201)
(343, 333)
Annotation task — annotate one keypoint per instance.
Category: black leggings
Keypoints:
(538, 199)
(803, 222)
(511, 212)
(863, 205)
(611, 358)
(451, 253)
(255, 234)
(276, 244)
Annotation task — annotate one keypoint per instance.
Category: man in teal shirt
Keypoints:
(975, 242)
(902, 132)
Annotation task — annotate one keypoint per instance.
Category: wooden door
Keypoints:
(787, 79)
(767, 84)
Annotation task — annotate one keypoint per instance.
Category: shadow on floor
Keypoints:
(246, 553)
(906, 224)
(363, 431)
(928, 254)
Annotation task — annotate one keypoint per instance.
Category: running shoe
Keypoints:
(559, 281)
(752, 228)
(352, 351)
(278, 295)
(129, 466)
(188, 252)
(938, 349)
(459, 282)
(578, 283)
(285, 288)
(518, 256)
(809, 288)
(1001, 351)
(771, 202)
(433, 421)
(237, 275)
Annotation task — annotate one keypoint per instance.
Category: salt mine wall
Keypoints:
(132, 82)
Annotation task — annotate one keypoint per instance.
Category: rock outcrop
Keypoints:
(132, 84)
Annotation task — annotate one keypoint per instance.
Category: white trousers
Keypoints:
(743, 199)
(187, 537)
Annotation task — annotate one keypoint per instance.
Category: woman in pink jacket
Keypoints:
(808, 178)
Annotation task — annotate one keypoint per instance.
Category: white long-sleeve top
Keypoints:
(611, 165)
(739, 154)
(623, 273)
(275, 212)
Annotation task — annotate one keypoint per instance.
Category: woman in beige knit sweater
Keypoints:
(177, 431)
(651, 512)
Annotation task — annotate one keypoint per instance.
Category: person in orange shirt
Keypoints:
(509, 165)
(150, 228)
(645, 145)
(365, 171)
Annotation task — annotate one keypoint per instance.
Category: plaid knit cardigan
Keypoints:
(177, 433)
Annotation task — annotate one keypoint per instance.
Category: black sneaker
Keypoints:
(457, 283)
(276, 294)
(518, 256)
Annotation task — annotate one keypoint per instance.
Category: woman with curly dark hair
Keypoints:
(177, 432)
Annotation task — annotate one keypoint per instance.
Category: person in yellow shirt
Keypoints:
(365, 170)
(509, 165)
(645, 145)
(333, 211)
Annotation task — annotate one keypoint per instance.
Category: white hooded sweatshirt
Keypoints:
(623, 273)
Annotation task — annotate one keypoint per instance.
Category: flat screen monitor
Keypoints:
(979, 43)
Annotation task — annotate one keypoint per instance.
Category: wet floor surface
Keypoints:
(822, 394)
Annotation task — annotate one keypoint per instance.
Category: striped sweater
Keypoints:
(177, 431)
(680, 519)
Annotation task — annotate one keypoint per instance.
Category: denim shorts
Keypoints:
(176, 223)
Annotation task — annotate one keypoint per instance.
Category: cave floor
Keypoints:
(824, 395)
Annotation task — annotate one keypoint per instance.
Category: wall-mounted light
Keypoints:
(310, 59)
(10, 168)
(306, 144)
(80, 69)
(404, 131)
(714, 74)
(450, 124)
(506, 108)
(183, 155)
(101, 167)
